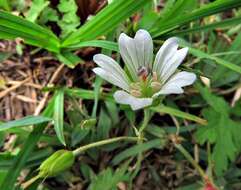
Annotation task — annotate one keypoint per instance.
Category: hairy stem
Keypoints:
(81, 149)
(146, 119)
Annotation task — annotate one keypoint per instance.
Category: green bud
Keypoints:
(56, 163)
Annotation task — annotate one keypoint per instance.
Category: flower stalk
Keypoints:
(147, 117)
(81, 149)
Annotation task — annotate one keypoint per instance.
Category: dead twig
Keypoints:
(45, 98)
(10, 89)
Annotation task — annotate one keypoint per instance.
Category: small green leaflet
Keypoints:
(221, 131)
(36, 8)
(109, 179)
(26, 121)
(70, 21)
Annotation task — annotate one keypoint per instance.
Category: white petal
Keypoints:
(144, 48)
(171, 65)
(110, 65)
(123, 97)
(175, 84)
(128, 54)
(165, 53)
(136, 52)
(111, 78)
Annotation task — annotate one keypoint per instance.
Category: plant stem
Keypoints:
(81, 149)
(146, 119)
(206, 178)
(191, 160)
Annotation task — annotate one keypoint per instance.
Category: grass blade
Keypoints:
(221, 24)
(26, 121)
(68, 58)
(105, 21)
(59, 115)
(12, 27)
(202, 55)
(96, 43)
(163, 26)
(178, 113)
(22, 157)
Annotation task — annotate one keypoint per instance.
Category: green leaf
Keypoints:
(69, 21)
(86, 94)
(136, 149)
(12, 27)
(5, 5)
(97, 86)
(105, 21)
(179, 8)
(113, 46)
(104, 125)
(202, 55)
(221, 24)
(26, 121)
(59, 116)
(69, 59)
(82, 130)
(178, 113)
(163, 26)
(27, 148)
(221, 131)
(36, 8)
(109, 179)
(48, 14)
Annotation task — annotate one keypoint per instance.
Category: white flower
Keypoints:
(144, 81)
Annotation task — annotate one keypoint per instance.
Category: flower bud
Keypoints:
(56, 163)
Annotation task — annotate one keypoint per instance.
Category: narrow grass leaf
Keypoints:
(105, 21)
(12, 27)
(59, 116)
(23, 156)
(178, 113)
(221, 24)
(202, 55)
(69, 59)
(163, 25)
(26, 121)
(87, 94)
(113, 46)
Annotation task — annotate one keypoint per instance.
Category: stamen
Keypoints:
(154, 76)
(135, 93)
(156, 86)
(135, 86)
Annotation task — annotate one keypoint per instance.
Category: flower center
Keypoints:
(146, 85)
